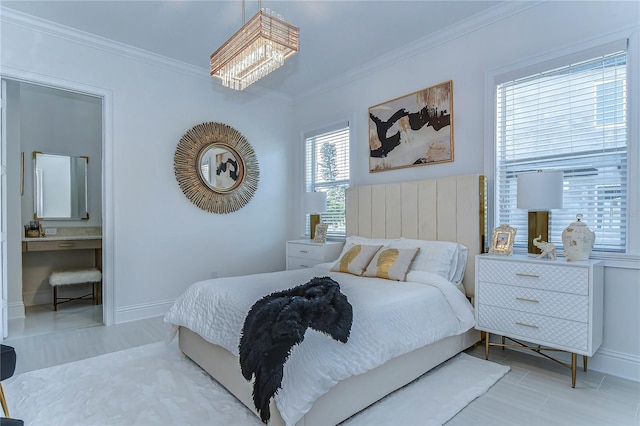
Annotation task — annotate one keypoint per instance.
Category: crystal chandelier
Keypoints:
(259, 47)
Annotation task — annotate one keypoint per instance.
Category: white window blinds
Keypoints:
(571, 118)
(327, 170)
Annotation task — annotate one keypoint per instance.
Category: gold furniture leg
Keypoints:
(573, 369)
(584, 362)
(4, 402)
(520, 345)
(486, 345)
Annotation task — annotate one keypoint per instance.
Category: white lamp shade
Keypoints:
(315, 202)
(540, 191)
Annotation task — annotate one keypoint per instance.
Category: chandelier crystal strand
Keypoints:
(261, 46)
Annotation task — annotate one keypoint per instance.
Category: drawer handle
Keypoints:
(304, 266)
(303, 251)
(66, 245)
(526, 325)
(527, 300)
(520, 274)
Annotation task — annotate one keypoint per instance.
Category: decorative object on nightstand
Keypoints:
(578, 240)
(539, 192)
(541, 306)
(502, 241)
(547, 249)
(306, 253)
(314, 204)
(320, 235)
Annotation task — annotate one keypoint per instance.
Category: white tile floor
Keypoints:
(535, 392)
(42, 319)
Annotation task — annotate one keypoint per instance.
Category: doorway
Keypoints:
(46, 117)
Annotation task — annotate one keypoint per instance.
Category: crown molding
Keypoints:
(64, 32)
(460, 29)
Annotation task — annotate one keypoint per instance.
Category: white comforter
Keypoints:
(390, 318)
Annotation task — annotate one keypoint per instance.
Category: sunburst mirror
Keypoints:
(216, 167)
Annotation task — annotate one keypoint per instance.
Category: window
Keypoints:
(571, 118)
(327, 170)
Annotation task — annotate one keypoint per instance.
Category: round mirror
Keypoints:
(221, 167)
(216, 167)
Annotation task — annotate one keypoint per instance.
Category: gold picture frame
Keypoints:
(412, 130)
(321, 233)
(502, 240)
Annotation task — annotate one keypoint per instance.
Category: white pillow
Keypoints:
(438, 257)
(461, 265)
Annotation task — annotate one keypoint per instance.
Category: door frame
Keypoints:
(108, 290)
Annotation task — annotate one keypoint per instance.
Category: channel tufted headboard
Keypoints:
(446, 209)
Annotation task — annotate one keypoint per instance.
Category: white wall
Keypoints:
(161, 241)
(465, 59)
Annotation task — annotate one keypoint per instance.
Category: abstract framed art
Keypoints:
(412, 130)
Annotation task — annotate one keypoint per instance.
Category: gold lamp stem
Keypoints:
(538, 226)
(314, 220)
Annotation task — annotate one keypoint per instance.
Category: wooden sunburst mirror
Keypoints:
(216, 167)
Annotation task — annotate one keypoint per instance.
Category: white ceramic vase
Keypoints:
(578, 240)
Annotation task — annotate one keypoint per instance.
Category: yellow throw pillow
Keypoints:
(355, 260)
(391, 263)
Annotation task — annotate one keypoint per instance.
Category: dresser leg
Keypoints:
(486, 344)
(584, 362)
(574, 358)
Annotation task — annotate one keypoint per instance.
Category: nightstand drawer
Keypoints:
(543, 302)
(561, 278)
(539, 329)
(306, 251)
(301, 263)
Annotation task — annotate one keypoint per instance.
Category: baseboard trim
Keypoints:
(15, 310)
(142, 311)
(616, 363)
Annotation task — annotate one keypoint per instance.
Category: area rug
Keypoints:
(156, 385)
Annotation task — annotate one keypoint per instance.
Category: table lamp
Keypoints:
(539, 192)
(314, 204)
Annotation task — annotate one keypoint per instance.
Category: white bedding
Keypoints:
(390, 318)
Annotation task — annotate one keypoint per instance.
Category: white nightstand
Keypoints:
(306, 253)
(554, 304)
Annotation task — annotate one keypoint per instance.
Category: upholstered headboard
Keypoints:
(445, 209)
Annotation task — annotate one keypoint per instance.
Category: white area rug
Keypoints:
(157, 385)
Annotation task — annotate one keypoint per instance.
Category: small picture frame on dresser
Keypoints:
(321, 233)
(502, 241)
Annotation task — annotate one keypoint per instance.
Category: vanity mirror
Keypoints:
(60, 187)
(216, 167)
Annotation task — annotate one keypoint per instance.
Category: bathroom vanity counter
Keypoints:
(66, 238)
(61, 243)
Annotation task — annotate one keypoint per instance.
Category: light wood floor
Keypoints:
(535, 391)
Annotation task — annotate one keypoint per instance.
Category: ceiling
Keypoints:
(336, 37)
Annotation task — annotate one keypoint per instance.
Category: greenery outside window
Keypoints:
(327, 170)
(571, 117)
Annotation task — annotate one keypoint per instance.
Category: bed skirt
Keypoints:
(347, 397)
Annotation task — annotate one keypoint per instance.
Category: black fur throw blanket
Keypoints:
(278, 321)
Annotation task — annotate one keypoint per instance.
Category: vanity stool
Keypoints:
(73, 277)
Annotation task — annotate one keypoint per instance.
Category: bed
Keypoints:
(450, 209)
